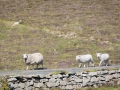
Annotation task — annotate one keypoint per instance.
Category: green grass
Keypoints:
(93, 18)
(104, 88)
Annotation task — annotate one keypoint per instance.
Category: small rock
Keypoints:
(104, 72)
(108, 77)
(51, 84)
(52, 80)
(112, 72)
(55, 76)
(92, 73)
(63, 83)
(12, 79)
(43, 80)
(42, 76)
(38, 85)
(78, 80)
(94, 79)
(22, 85)
(79, 73)
(115, 76)
(69, 87)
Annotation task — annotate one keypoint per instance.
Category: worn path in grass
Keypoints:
(47, 71)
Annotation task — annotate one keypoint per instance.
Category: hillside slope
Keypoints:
(59, 29)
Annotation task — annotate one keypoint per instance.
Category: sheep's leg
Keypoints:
(84, 65)
(100, 62)
(88, 64)
(80, 65)
(106, 63)
(33, 67)
(42, 64)
(27, 68)
(92, 63)
(37, 66)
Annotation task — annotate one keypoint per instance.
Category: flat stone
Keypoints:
(36, 76)
(85, 81)
(37, 80)
(65, 75)
(101, 78)
(29, 88)
(95, 86)
(92, 73)
(28, 76)
(51, 84)
(77, 86)
(59, 76)
(22, 85)
(112, 72)
(118, 83)
(102, 82)
(63, 87)
(16, 85)
(84, 75)
(29, 83)
(55, 76)
(63, 83)
(42, 75)
(118, 71)
(44, 80)
(108, 77)
(78, 80)
(98, 72)
(71, 73)
(118, 75)
(19, 89)
(48, 76)
(12, 79)
(115, 76)
(38, 85)
(11, 85)
(52, 80)
(94, 79)
(79, 73)
(104, 72)
(69, 87)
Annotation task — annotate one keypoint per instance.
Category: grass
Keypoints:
(99, 88)
(103, 88)
(93, 18)
(3, 82)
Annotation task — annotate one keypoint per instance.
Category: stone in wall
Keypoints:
(67, 81)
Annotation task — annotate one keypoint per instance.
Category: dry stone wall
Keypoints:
(64, 81)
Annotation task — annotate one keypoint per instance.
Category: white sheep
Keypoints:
(33, 59)
(103, 58)
(16, 23)
(87, 58)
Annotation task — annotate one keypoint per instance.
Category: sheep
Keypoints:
(33, 59)
(16, 23)
(103, 58)
(87, 58)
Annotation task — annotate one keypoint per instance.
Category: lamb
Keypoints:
(87, 58)
(33, 59)
(103, 58)
(16, 23)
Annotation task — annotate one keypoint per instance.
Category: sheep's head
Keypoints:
(98, 55)
(25, 56)
(77, 57)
